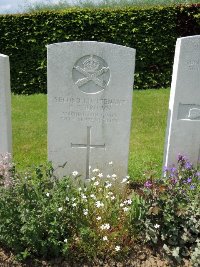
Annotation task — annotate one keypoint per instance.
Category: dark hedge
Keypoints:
(152, 31)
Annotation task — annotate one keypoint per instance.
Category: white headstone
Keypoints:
(89, 106)
(183, 130)
(5, 106)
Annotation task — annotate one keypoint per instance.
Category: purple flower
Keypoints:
(181, 158)
(173, 170)
(165, 169)
(148, 184)
(198, 174)
(192, 187)
(189, 180)
(188, 165)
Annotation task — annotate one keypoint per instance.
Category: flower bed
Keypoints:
(43, 217)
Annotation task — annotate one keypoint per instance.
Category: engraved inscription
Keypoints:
(193, 64)
(91, 74)
(90, 101)
(88, 146)
(93, 117)
(189, 112)
(98, 110)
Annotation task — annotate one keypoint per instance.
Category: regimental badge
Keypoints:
(91, 74)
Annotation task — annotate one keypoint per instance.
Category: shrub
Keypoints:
(45, 217)
(152, 31)
(172, 218)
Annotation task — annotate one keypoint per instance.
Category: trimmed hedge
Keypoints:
(152, 31)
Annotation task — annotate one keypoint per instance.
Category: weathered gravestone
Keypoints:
(89, 106)
(5, 106)
(183, 130)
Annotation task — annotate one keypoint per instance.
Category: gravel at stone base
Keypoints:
(143, 259)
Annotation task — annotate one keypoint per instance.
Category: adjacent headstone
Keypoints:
(89, 106)
(183, 130)
(5, 106)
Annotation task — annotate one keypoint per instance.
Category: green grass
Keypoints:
(63, 4)
(149, 117)
(29, 122)
(149, 121)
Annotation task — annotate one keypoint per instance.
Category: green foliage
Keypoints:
(152, 31)
(195, 257)
(43, 217)
(172, 212)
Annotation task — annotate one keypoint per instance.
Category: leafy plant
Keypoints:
(173, 218)
(63, 217)
(80, 221)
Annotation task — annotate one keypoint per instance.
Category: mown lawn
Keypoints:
(29, 121)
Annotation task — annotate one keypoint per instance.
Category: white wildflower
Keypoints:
(96, 183)
(117, 248)
(110, 163)
(121, 205)
(156, 226)
(125, 209)
(85, 211)
(74, 173)
(79, 189)
(95, 170)
(98, 218)
(108, 176)
(83, 196)
(105, 226)
(105, 238)
(114, 175)
(67, 199)
(100, 175)
(124, 180)
(108, 185)
(93, 178)
(74, 204)
(93, 196)
(60, 209)
(112, 197)
(65, 240)
(99, 204)
(47, 194)
(129, 201)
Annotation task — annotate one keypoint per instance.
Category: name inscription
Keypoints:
(90, 110)
(193, 64)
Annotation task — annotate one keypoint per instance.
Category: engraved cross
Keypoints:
(88, 146)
